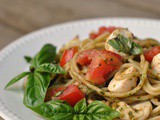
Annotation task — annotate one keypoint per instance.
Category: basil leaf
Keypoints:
(81, 106)
(28, 59)
(46, 55)
(80, 110)
(50, 68)
(136, 49)
(79, 117)
(36, 88)
(98, 110)
(17, 78)
(116, 44)
(55, 110)
(60, 110)
(125, 45)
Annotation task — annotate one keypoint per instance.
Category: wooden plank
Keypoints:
(29, 15)
(144, 5)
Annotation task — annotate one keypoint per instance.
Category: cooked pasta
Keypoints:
(131, 100)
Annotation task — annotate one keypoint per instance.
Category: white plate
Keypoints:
(12, 62)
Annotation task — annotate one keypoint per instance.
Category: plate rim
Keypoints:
(8, 115)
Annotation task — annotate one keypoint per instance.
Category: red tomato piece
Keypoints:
(51, 92)
(111, 58)
(101, 64)
(72, 95)
(67, 55)
(85, 57)
(111, 29)
(102, 30)
(93, 35)
(151, 53)
(99, 72)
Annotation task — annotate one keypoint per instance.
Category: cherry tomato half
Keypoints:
(151, 53)
(72, 95)
(102, 30)
(67, 55)
(101, 64)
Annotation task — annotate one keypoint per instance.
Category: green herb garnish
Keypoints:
(125, 45)
(39, 76)
(60, 110)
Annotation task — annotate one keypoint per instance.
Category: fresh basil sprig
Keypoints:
(38, 82)
(125, 45)
(39, 76)
(46, 55)
(60, 110)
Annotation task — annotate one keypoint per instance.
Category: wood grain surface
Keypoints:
(19, 17)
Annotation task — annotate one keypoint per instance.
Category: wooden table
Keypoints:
(20, 17)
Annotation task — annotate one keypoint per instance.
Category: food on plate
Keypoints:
(112, 75)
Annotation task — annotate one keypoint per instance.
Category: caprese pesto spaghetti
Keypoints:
(110, 75)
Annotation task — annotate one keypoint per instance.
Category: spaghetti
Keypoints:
(137, 102)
